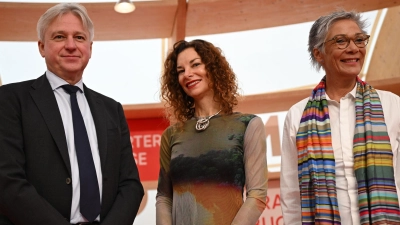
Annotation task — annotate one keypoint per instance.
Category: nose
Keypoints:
(352, 47)
(70, 43)
(188, 72)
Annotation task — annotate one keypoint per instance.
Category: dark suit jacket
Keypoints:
(35, 184)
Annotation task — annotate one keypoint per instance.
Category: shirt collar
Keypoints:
(352, 93)
(56, 82)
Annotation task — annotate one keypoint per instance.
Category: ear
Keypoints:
(91, 43)
(41, 48)
(318, 55)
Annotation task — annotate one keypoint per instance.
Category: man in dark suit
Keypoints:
(40, 163)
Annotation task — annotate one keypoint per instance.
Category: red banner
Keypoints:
(145, 139)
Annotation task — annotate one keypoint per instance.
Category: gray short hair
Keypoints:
(60, 9)
(320, 29)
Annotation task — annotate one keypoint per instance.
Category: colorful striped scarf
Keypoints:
(373, 161)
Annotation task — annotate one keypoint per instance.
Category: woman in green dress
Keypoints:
(209, 155)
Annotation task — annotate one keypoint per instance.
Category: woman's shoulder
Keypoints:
(297, 109)
(243, 116)
(300, 105)
(387, 95)
(240, 114)
(390, 101)
(170, 129)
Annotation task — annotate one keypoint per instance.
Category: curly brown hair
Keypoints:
(180, 106)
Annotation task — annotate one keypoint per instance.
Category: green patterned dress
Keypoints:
(203, 173)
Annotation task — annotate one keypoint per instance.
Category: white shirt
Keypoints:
(342, 121)
(64, 105)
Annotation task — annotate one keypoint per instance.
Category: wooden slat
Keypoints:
(260, 103)
(149, 20)
(155, 19)
(374, 33)
(220, 16)
(142, 111)
(385, 60)
(179, 29)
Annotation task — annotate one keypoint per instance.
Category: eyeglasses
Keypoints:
(342, 41)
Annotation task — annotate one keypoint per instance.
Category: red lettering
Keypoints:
(136, 140)
(272, 221)
(279, 220)
(157, 140)
(261, 221)
(140, 158)
(140, 141)
(147, 141)
(277, 201)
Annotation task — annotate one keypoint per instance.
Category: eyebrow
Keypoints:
(191, 61)
(346, 35)
(63, 32)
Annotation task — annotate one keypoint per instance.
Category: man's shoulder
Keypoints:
(17, 84)
(17, 87)
(103, 97)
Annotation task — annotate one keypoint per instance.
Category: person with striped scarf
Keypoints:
(341, 145)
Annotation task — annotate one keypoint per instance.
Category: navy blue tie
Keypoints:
(90, 196)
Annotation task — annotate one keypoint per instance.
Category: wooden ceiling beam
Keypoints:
(153, 19)
(156, 19)
(179, 29)
(221, 16)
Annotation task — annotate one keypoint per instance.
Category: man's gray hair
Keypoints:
(60, 9)
(320, 29)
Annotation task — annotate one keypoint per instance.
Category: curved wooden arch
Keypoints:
(178, 18)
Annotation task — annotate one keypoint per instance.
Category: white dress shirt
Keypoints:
(64, 105)
(342, 121)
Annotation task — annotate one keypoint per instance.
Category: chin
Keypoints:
(351, 72)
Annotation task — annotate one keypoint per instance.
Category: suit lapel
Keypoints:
(44, 98)
(100, 120)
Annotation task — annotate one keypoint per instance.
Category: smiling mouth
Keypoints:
(349, 60)
(190, 84)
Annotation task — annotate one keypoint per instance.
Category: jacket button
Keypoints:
(68, 180)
